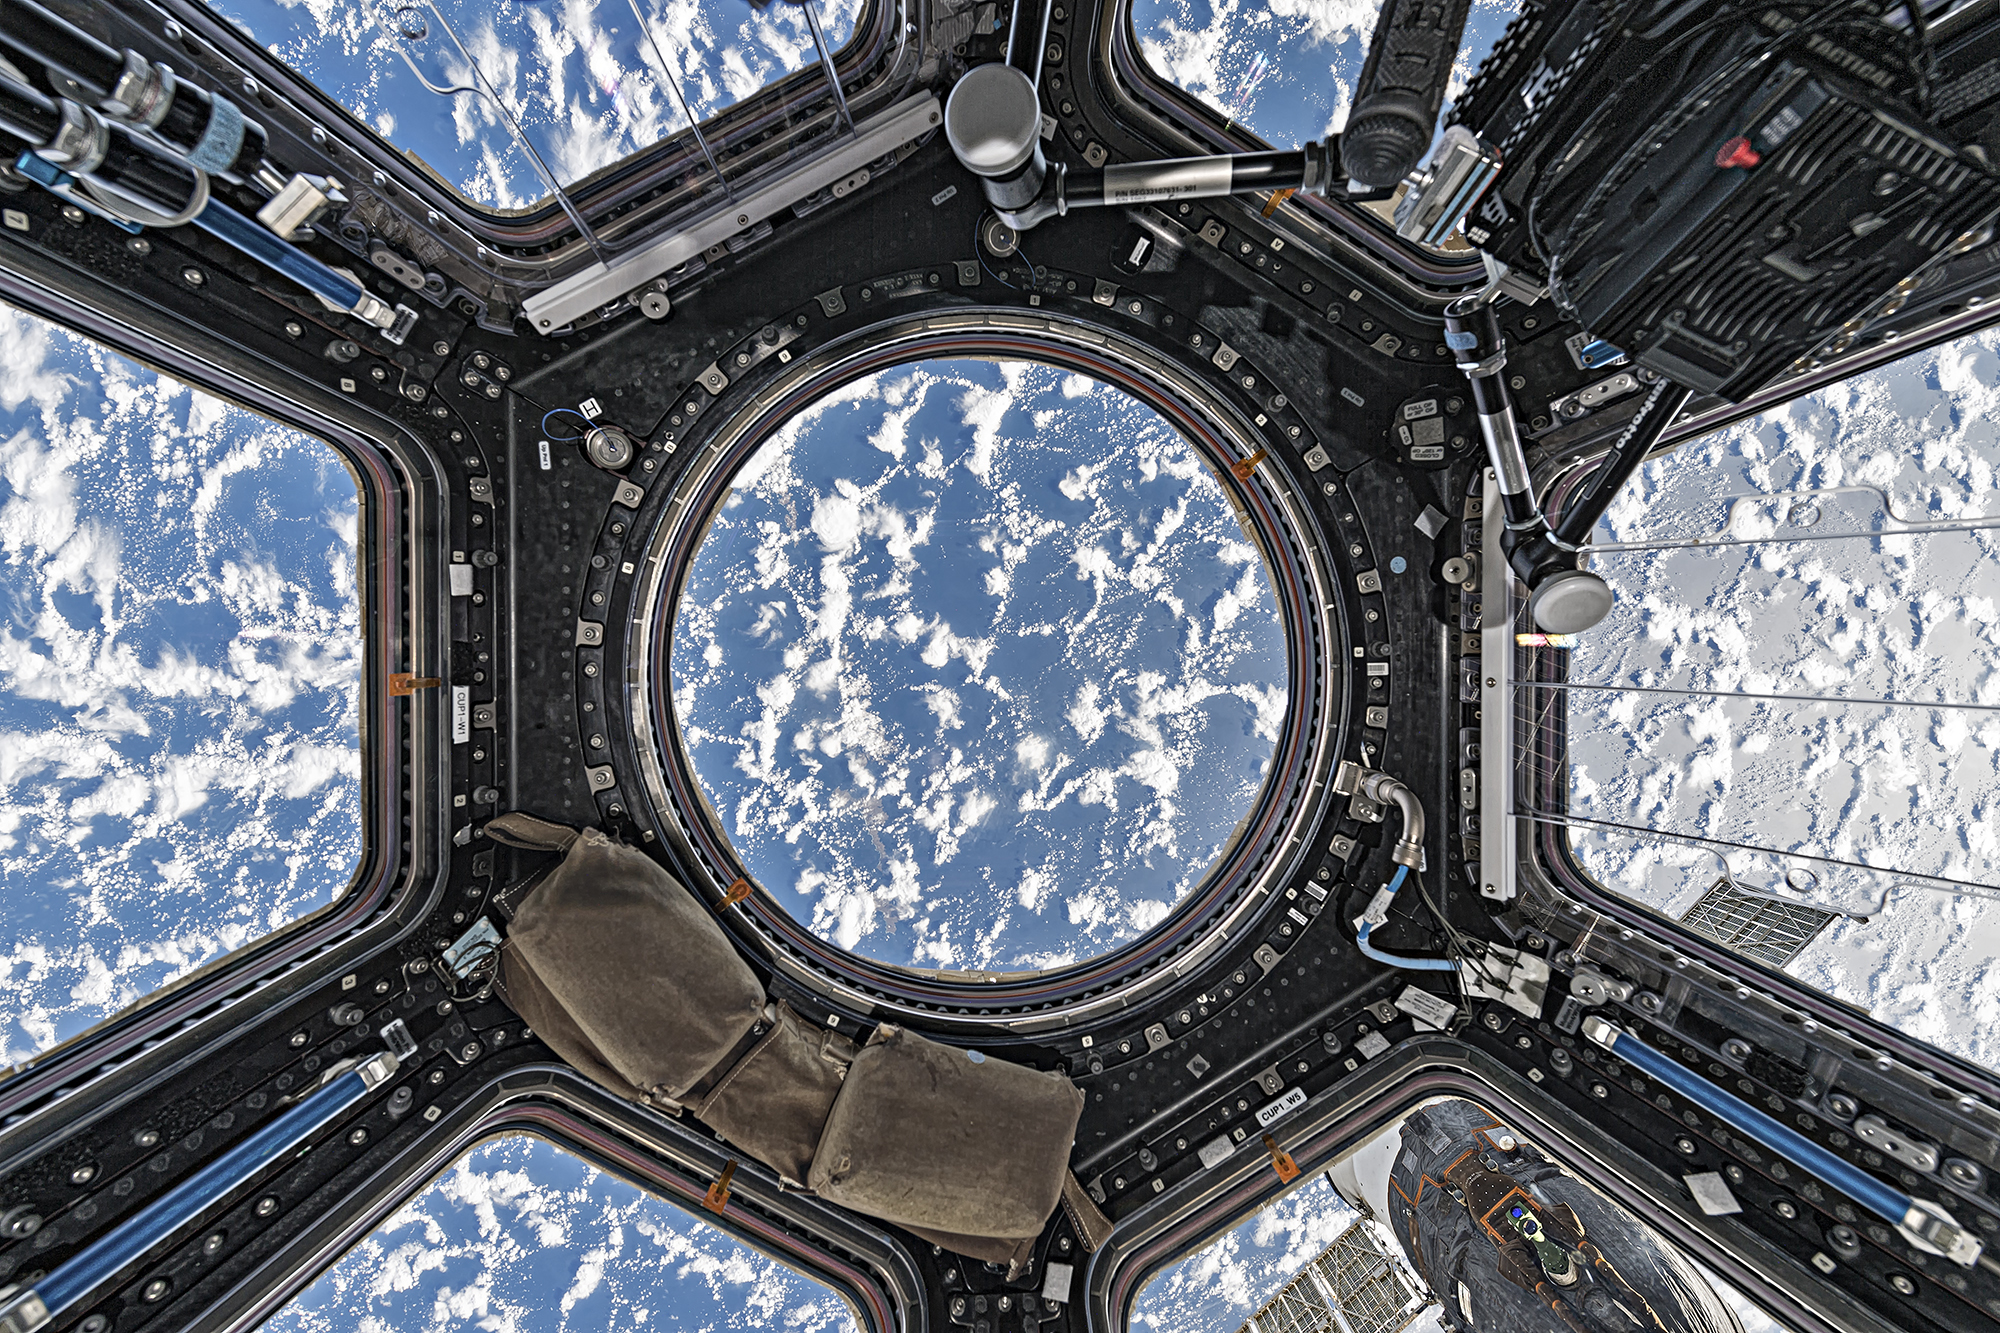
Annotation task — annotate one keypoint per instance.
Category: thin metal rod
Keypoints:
(521, 138)
(1935, 882)
(1749, 694)
(673, 82)
(826, 58)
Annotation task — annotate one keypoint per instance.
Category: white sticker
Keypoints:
(1427, 453)
(1425, 1007)
(1415, 411)
(461, 580)
(944, 196)
(1216, 1151)
(1048, 126)
(591, 408)
(544, 454)
(1352, 397)
(1284, 1106)
(1711, 1194)
(1055, 1285)
(461, 714)
(1139, 249)
(1372, 1044)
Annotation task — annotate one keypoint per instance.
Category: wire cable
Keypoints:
(1378, 911)
(561, 411)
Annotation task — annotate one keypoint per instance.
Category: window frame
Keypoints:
(138, 1045)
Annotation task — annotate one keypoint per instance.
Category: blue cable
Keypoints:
(1397, 960)
(565, 439)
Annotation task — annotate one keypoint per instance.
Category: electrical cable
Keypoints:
(1378, 911)
(565, 439)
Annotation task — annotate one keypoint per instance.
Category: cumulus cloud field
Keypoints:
(521, 1237)
(180, 662)
(1801, 605)
(1284, 69)
(977, 666)
(588, 83)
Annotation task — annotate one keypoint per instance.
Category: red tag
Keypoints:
(1737, 153)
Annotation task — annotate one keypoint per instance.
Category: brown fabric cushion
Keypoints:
(773, 1103)
(527, 996)
(924, 1136)
(639, 965)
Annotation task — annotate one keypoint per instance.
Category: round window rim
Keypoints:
(1243, 881)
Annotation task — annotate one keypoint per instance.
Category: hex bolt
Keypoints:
(470, 1051)
(347, 1014)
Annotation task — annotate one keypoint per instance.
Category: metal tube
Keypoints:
(1472, 331)
(674, 83)
(541, 167)
(826, 59)
(1884, 1200)
(131, 1239)
(1028, 37)
(260, 243)
(1641, 434)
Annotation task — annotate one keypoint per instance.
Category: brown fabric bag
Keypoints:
(648, 980)
(923, 1135)
(773, 1103)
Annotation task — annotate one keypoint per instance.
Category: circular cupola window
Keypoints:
(978, 668)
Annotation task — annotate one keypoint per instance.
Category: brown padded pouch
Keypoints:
(528, 997)
(773, 1103)
(924, 1136)
(636, 962)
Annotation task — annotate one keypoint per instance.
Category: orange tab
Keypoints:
(717, 1197)
(1281, 1162)
(737, 893)
(1244, 467)
(402, 683)
(1277, 197)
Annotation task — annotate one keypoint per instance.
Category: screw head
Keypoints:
(193, 276)
(214, 1241)
(1786, 1209)
(147, 1138)
(84, 1174)
(358, 1137)
(471, 1051)
(156, 1290)
(299, 1039)
(267, 1205)
(1903, 1284)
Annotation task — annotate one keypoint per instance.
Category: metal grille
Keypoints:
(1767, 929)
(1354, 1285)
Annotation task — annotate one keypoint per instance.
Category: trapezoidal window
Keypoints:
(489, 97)
(978, 668)
(522, 1235)
(1376, 1245)
(1282, 70)
(180, 668)
(1787, 732)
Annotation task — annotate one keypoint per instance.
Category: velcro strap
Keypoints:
(522, 830)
